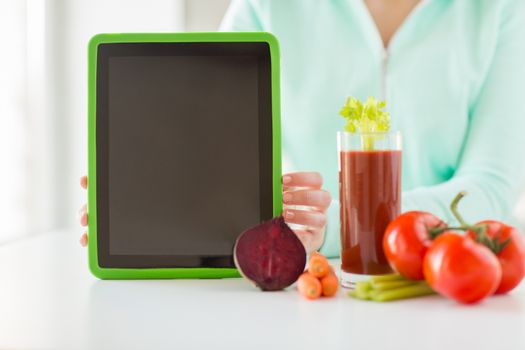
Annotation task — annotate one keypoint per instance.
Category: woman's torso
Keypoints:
(430, 77)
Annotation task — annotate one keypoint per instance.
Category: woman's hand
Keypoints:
(303, 189)
(82, 213)
(299, 189)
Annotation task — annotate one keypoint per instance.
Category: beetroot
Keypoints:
(270, 255)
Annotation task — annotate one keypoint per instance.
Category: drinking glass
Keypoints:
(370, 197)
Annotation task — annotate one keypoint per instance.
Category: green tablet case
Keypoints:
(163, 273)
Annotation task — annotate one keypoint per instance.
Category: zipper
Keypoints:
(386, 50)
(384, 72)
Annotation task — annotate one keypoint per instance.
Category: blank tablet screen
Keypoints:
(184, 130)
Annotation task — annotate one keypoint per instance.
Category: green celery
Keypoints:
(365, 118)
(412, 291)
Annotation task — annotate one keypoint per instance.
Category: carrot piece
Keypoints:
(318, 265)
(330, 284)
(309, 286)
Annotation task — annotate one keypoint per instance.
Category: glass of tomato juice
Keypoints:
(370, 197)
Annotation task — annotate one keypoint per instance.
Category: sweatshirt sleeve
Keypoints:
(241, 16)
(492, 163)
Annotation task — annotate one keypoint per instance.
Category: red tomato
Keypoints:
(511, 257)
(461, 269)
(406, 241)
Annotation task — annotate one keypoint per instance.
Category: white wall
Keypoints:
(204, 15)
(13, 141)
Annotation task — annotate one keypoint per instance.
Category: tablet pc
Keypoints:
(184, 150)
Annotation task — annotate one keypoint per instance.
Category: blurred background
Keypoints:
(43, 98)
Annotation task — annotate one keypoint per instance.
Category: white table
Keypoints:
(49, 300)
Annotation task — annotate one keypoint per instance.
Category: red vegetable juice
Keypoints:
(370, 195)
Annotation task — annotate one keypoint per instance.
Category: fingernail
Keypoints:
(289, 214)
(287, 179)
(287, 197)
(83, 220)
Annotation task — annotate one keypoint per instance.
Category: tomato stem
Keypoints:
(436, 231)
(454, 208)
(480, 230)
(482, 237)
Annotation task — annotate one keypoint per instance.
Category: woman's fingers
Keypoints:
(314, 198)
(82, 213)
(308, 218)
(83, 182)
(84, 219)
(311, 195)
(311, 239)
(84, 240)
(303, 179)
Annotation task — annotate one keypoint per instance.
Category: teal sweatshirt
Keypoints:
(453, 77)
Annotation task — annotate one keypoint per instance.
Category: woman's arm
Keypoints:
(492, 164)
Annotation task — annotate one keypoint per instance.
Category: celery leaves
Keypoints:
(369, 117)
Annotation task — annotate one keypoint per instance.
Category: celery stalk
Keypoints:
(391, 285)
(412, 291)
(388, 278)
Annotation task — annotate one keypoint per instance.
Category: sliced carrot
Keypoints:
(330, 284)
(309, 286)
(318, 265)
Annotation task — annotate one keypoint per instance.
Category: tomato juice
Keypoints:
(370, 197)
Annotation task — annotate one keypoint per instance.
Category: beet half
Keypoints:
(270, 255)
